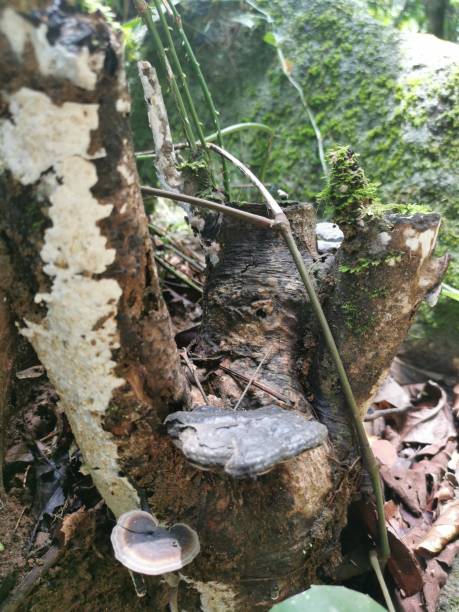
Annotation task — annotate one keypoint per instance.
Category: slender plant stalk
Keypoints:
(183, 277)
(172, 246)
(182, 77)
(227, 210)
(382, 583)
(273, 206)
(231, 129)
(237, 127)
(311, 117)
(144, 11)
(205, 90)
(253, 377)
(365, 449)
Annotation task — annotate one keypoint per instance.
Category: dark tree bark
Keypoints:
(7, 351)
(436, 14)
(86, 295)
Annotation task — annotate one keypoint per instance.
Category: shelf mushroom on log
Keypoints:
(141, 545)
(243, 443)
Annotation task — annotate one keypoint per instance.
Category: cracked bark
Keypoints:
(262, 539)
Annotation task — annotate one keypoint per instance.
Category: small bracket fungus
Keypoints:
(144, 547)
(329, 237)
(243, 443)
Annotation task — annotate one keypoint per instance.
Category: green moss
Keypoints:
(197, 172)
(348, 192)
(355, 319)
(379, 292)
(377, 209)
(365, 263)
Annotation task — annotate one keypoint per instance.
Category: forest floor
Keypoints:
(412, 427)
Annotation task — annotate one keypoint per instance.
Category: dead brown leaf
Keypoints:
(403, 566)
(33, 372)
(384, 452)
(432, 422)
(409, 485)
(444, 530)
(434, 579)
(391, 394)
(71, 523)
(409, 604)
(448, 554)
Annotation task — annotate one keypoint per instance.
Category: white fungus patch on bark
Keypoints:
(76, 338)
(425, 241)
(123, 106)
(38, 133)
(126, 172)
(75, 64)
(215, 596)
(48, 143)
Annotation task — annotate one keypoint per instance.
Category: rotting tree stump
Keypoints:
(86, 295)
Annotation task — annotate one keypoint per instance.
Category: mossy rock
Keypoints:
(392, 96)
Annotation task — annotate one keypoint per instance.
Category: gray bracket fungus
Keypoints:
(243, 443)
(329, 237)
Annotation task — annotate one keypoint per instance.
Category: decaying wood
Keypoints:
(86, 295)
(85, 291)
(165, 162)
(7, 346)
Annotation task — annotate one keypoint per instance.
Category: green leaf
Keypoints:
(329, 599)
(2, 547)
(450, 292)
(92, 6)
(271, 39)
(127, 26)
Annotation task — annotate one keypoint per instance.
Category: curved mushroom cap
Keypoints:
(144, 547)
(243, 443)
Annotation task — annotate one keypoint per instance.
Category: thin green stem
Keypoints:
(382, 583)
(311, 117)
(182, 77)
(231, 129)
(273, 206)
(183, 277)
(144, 11)
(237, 127)
(206, 92)
(226, 210)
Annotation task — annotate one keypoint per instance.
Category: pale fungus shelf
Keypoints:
(142, 546)
(243, 443)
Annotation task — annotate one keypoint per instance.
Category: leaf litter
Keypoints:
(412, 431)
